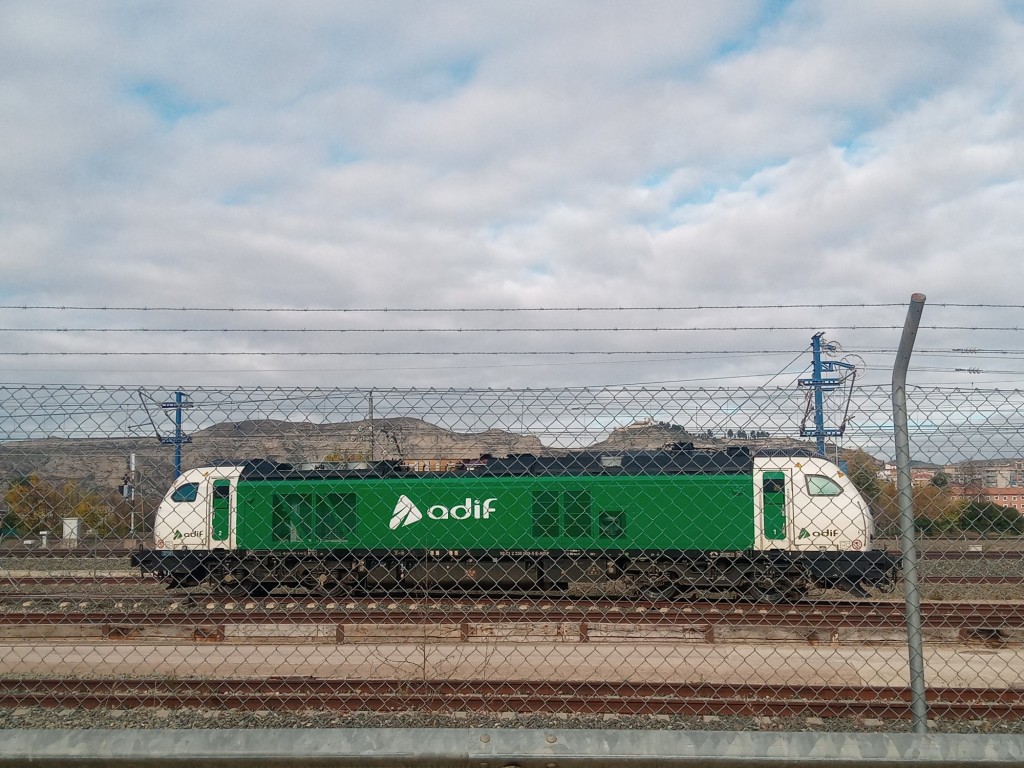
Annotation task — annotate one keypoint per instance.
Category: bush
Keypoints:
(987, 518)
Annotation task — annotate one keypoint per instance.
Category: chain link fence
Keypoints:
(656, 552)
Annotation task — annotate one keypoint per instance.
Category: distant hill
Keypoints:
(101, 462)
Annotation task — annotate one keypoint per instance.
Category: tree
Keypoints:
(940, 479)
(935, 510)
(37, 505)
(988, 518)
(862, 469)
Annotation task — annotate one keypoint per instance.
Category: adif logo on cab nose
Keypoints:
(407, 513)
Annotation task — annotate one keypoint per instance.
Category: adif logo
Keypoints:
(407, 513)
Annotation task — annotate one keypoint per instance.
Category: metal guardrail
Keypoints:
(496, 748)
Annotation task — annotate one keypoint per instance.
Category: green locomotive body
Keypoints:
(659, 523)
(667, 512)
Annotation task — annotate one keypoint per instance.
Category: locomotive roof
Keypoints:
(678, 460)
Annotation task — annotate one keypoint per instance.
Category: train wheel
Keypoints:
(659, 592)
(243, 588)
(688, 593)
(768, 584)
(795, 594)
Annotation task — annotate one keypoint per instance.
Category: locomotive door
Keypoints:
(775, 509)
(220, 520)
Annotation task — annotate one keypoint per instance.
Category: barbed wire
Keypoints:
(954, 352)
(625, 308)
(463, 353)
(434, 309)
(567, 329)
(387, 353)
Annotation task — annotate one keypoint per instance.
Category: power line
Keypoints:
(461, 353)
(63, 308)
(977, 354)
(615, 329)
(378, 353)
(364, 369)
(688, 308)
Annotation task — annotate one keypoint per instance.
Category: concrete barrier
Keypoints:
(497, 748)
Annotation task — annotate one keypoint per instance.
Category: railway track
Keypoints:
(818, 621)
(211, 621)
(19, 581)
(382, 695)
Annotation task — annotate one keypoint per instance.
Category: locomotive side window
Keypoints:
(577, 514)
(611, 525)
(568, 514)
(336, 516)
(311, 516)
(822, 486)
(545, 513)
(187, 492)
(291, 517)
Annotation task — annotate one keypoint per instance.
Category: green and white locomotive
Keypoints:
(668, 524)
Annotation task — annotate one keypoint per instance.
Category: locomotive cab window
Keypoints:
(822, 486)
(186, 492)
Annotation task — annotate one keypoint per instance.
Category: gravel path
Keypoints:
(35, 717)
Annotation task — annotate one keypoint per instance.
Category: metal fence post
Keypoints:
(904, 487)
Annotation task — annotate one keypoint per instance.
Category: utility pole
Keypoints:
(820, 386)
(129, 488)
(373, 447)
(179, 403)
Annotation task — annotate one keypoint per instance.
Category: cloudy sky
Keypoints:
(758, 170)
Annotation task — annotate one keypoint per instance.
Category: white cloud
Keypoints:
(493, 154)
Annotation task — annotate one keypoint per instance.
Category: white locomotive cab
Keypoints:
(809, 505)
(198, 511)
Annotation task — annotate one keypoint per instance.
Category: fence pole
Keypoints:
(904, 487)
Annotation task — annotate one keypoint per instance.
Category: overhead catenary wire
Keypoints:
(782, 370)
